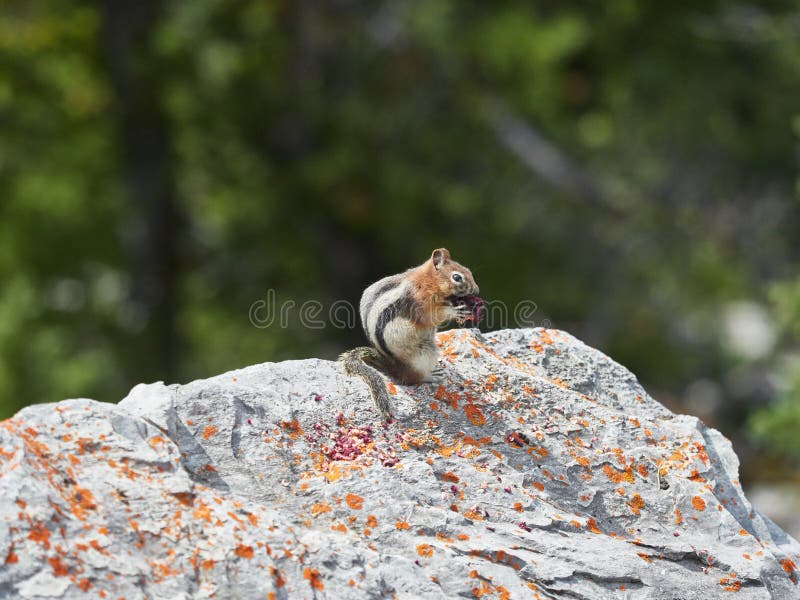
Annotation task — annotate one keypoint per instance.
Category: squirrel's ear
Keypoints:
(439, 257)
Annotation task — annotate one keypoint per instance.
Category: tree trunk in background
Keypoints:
(153, 223)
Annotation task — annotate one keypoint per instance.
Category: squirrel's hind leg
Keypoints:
(435, 376)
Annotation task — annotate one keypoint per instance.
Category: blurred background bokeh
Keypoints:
(633, 168)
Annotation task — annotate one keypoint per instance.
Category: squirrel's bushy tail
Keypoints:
(362, 361)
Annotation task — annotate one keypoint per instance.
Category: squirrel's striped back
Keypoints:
(380, 303)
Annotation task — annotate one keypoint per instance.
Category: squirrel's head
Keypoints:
(454, 279)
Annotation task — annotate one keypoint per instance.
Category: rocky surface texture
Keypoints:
(538, 468)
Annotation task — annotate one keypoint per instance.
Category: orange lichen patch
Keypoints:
(695, 476)
(340, 527)
(354, 501)
(84, 585)
(634, 421)
(591, 525)
(678, 517)
(208, 431)
(202, 511)
(642, 470)
(252, 519)
(276, 575)
(7, 455)
(473, 515)
(490, 380)
(443, 538)
(292, 427)
(698, 503)
(544, 335)
(536, 347)
(11, 556)
(540, 450)
(743, 532)
(677, 456)
(40, 534)
(582, 461)
(462, 536)
(402, 525)
(450, 397)
(617, 476)
(336, 470)
(518, 506)
(471, 441)
(474, 415)
(59, 568)
(391, 388)
(484, 589)
(235, 518)
(701, 452)
(445, 338)
(730, 584)
(243, 551)
(788, 565)
(80, 501)
(371, 521)
(319, 508)
(636, 504)
(499, 556)
(539, 486)
(313, 577)
(425, 550)
(448, 476)
(185, 498)
(644, 557)
(448, 451)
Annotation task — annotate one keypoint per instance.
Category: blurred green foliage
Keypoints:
(777, 425)
(631, 167)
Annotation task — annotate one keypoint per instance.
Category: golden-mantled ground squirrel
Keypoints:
(400, 314)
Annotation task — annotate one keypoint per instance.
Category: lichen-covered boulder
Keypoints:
(537, 468)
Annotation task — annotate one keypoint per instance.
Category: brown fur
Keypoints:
(431, 285)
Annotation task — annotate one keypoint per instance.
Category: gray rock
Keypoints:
(537, 468)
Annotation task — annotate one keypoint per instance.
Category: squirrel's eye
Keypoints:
(457, 277)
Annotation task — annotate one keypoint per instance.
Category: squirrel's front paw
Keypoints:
(458, 313)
